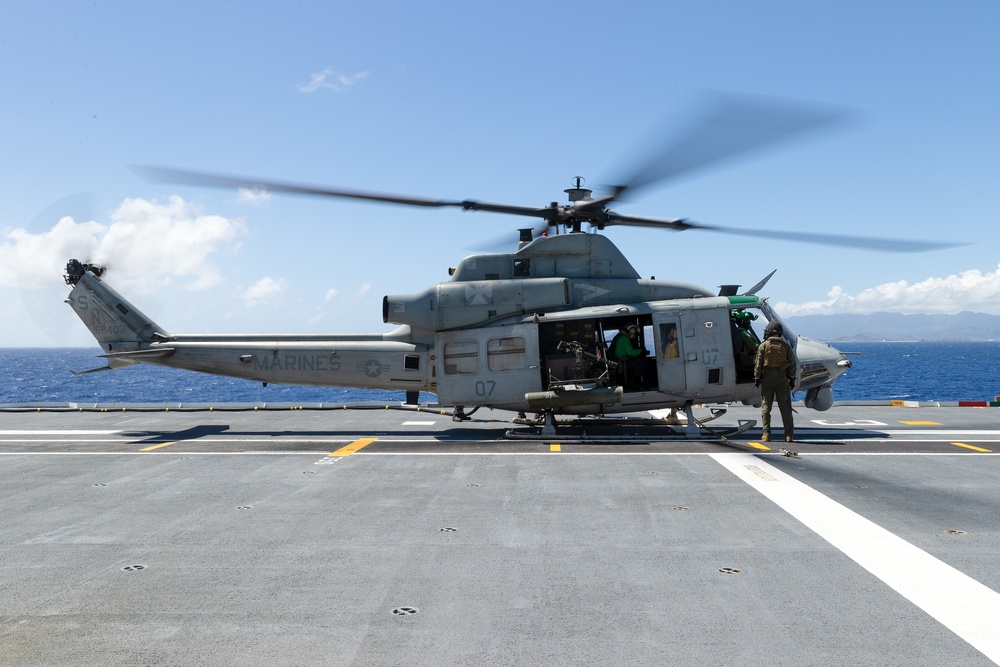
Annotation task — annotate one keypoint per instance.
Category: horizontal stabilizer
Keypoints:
(92, 370)
(145, 354)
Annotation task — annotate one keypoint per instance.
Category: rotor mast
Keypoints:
(576, 194)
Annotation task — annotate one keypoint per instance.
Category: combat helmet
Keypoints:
(774, 328)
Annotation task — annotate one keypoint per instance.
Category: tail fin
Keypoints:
(116, 324)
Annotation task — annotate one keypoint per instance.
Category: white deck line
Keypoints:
(959, 602)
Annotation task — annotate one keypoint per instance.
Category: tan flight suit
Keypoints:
(774, 373)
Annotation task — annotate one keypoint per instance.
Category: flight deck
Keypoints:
(302, 535)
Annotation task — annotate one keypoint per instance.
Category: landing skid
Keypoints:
(626, 429)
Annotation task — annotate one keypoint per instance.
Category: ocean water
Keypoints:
(42, 375)
(921, 371)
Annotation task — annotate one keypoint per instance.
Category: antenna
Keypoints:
(578, 192)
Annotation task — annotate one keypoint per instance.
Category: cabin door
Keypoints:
(487, 366)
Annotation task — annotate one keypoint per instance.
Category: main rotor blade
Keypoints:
(729, 126)
(184, 177)
(865, 242)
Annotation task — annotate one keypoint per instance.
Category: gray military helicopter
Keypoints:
(529, 330)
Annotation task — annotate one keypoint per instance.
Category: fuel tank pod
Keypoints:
(455, 305)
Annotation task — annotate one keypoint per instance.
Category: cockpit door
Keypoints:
(669, 353)
(700, 363)
(708, 350)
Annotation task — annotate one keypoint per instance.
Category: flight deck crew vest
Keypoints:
(775, 354)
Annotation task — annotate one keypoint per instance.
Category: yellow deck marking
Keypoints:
(353, 447)
(757, 445)
(972, 447)
(162, 444)
(555, 447)
(921, 423)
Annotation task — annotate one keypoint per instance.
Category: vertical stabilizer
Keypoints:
(116, 324)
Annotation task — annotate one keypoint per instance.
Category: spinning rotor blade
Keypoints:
(185, 177)
(866, 242)
(730, 126)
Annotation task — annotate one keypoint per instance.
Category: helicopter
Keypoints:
(528, 330)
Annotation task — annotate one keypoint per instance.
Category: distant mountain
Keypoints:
(895, 326)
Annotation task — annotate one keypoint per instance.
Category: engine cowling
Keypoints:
(454, 305)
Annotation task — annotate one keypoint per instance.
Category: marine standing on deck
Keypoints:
(774, 373)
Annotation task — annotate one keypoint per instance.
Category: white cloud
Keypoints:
(146, 245)
(970, 290)
(330, 79)
(39, 260)
(335, 294)
(264, 291)
(253, 196)
(343, 302)
(162, 241)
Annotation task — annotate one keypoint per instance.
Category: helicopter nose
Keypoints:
(819, 363)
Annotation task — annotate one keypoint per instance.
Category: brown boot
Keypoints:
(788, 438)
(766, 437)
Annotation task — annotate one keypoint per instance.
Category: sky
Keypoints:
(499, 102)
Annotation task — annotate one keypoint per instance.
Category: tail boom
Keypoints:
(365, 361)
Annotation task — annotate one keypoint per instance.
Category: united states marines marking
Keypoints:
(295, 361)
(373, 368)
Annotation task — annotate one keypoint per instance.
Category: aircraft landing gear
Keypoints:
(460, 415)
(549, 429)
(626, 429)
(671, 419)
(692, 430)
(546, 419)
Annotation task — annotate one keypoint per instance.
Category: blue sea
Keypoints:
(920, 371)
